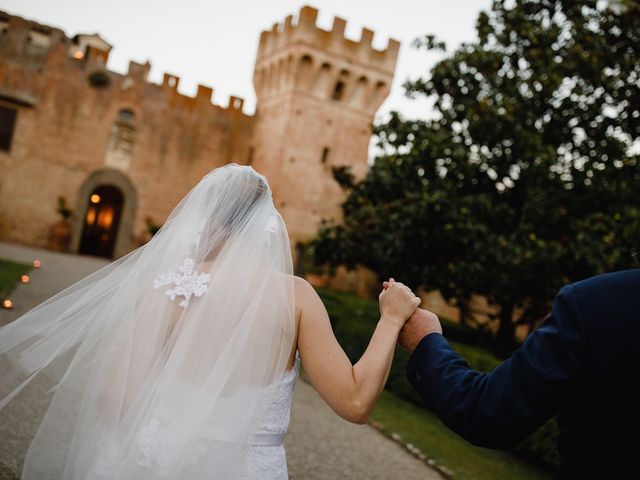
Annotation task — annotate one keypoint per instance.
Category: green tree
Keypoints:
(526, 178)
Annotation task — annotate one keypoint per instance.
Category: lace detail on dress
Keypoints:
(105, 467)
(155, 443)
(270, 463)
(276, 418)
(155, 449)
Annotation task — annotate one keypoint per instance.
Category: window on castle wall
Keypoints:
(325, 155)
(338, 90)
(7, 125)
(39, 39)
(126, 114)
(124, 140)
(123, 134)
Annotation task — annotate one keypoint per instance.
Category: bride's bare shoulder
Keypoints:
(304, 291)
(303, 287)
(307, 299)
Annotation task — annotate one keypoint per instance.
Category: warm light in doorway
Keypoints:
(105, 217)
(78, 55)
(95, 198)
(91, 216)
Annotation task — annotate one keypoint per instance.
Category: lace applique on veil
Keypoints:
(188, 283)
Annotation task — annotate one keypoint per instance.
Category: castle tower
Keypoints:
(317, 93)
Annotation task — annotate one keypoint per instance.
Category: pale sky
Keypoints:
(215, 43)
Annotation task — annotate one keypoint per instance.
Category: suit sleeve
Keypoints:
(500, 408)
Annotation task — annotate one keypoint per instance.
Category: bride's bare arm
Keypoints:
(350, 390)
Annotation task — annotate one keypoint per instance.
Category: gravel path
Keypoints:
(320, 445)
(19, 421)
(58, 271)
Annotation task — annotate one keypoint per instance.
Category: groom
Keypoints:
(581, 363)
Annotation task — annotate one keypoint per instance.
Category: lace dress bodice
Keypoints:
(278, 413)
(270, 462)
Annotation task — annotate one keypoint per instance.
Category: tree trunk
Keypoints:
(505, 342)
(465, 312)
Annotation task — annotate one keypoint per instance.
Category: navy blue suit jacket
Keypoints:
(581, 363)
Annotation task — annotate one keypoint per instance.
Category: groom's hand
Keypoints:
(420, 324)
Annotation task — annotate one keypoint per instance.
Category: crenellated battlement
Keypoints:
(170, 82)
(305, 31)
(28, 42)
(302, 58)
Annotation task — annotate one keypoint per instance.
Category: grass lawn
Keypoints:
(353, 321)
(10, 273)
(424, 430)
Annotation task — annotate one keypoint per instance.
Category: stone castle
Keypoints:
(122, 151)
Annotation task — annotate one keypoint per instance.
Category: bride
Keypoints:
(179, 359)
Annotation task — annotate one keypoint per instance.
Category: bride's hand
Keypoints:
(397, 303)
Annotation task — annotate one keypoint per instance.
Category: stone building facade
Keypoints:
(122, 151)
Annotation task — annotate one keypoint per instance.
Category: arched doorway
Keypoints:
(123, 234)
(101, 221)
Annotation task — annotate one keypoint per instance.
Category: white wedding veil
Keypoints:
(160, 363)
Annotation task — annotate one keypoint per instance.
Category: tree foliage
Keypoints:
(527, 177)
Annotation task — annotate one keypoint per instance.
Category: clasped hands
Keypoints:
(397, 300)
